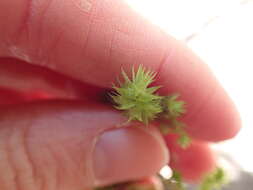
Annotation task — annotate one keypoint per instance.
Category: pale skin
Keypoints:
(62, 144)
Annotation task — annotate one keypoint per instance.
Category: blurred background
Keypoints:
(221, 33)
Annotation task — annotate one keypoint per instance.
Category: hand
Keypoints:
(56, 132)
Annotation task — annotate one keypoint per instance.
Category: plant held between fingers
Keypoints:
(139, 101)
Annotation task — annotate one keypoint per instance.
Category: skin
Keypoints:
(56, 130)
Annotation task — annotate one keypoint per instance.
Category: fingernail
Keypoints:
(127, 154)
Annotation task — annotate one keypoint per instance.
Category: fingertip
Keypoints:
(211, 114)
(217, 120)
(193, 162)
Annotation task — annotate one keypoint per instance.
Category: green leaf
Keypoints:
(184, 140)
(177, 127)
(214, 180)
(174, 183)
(177, 178)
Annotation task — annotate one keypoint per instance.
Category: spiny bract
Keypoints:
(136, 98)
(173, 106)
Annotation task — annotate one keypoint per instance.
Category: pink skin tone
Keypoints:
(74, 143)
(193, 162)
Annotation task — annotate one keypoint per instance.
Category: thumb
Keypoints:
(69, 146)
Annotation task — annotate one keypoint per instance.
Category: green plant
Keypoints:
(214, 180)
(135, 97)
(140, 101)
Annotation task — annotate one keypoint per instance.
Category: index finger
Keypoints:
(92, 40)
